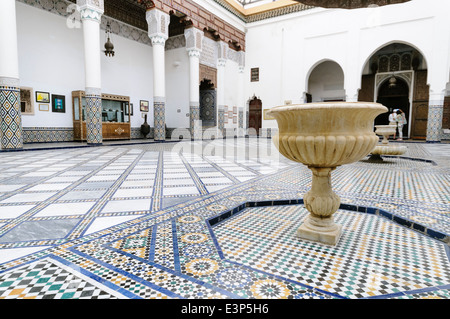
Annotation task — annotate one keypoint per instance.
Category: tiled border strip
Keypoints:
(412, 159)
(437, 235)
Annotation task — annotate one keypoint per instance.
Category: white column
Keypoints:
(158, 32)
(194, 39)
(9, 60)
(11, 118)
(240, 95)
(221, 63)
(91, 13)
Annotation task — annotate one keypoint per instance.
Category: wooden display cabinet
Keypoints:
(115, 116)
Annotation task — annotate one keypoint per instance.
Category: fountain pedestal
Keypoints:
(321, 202)
(324, 136)
(384, 148)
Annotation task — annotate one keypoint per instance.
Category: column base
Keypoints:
(328, 235)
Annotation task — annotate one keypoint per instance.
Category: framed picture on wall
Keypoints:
(144, 106)
(42, 97)
(44, 107)
(58, 103)
(131, 109)
(26, 101)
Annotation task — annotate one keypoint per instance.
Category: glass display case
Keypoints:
(115, 116)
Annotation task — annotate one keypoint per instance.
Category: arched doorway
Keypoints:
(326, 83)
(255, 116)
(408, 65)
(394, 95)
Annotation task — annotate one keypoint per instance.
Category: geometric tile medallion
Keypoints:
(374, 256)
(179, 258)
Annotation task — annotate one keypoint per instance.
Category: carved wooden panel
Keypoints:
(419, 120)
(421, 89)
(110, 131)
(346, 4)
(446, 114)
(366, 93)
(208, 73)
(419, 117)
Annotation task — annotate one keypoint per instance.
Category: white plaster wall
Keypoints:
(51, 59)
(177, 88)
(287, 48)
(129, 73)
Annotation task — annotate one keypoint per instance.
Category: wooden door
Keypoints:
(255, 115)
(366, 93)
(419, 118)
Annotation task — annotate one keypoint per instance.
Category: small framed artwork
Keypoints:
(144, 106)
(58, 103)
(26, 101)
(44, 107)
(42, 97)
(254, 75)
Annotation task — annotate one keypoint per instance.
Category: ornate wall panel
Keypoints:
(159, 120)
(420, 106)
(208, 107)
(10, 115)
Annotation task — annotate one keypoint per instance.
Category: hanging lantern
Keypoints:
(109, 47)
(392, 82)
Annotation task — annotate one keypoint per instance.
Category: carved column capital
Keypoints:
(91, 9)
(158, 25)
(241, 60)
(194, 39)
(158, 40)
(222, 50)
(221, 62)
(194, 53)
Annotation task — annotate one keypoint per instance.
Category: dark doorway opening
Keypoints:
(255, 116)
(394, 97)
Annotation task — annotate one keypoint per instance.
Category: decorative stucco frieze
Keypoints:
(72, 12)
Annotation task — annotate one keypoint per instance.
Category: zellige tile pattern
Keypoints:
(133, 221)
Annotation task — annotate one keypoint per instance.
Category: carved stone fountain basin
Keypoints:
(324, 136)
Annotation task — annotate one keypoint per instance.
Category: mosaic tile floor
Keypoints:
(216, 220)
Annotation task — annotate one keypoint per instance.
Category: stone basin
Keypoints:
(324, 136)
(384, 148)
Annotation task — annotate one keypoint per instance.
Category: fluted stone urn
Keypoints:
(384, 148)
(324, 136)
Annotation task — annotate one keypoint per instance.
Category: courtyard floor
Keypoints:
(217, 220)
